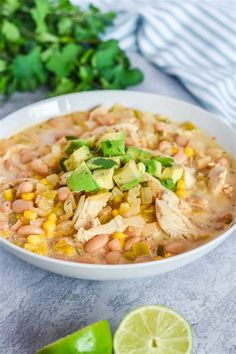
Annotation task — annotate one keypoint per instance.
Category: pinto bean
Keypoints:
(132, 231)
(30, 230)
(180, 157)
(96, 244)
(114, 245)
(24, 187)
(16, 226)
(130, 242)
(106, 119)
(8, 164)
(39, 211)
(39, 167)
(176, 247)
(3, 225)
(165, 147)
(37, 222)
(182, 140)
(5, 206)
(19, 205)
(63, 193)
(113, 257)
(160, 126)
(28, 156)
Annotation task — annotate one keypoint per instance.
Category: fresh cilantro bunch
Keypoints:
(56, 44)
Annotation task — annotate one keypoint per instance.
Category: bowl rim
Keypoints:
(107, 267)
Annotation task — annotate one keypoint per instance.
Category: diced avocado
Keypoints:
(75, 144)
(104, 178)
(103, 162)
(174, 173)
(128, 176)
(141, 167)
(168, 183)
(113, 144)
(124, 158)
(78, 156)
(138, 154)
(82, 179)
(165, 160)
(130, 185)
(153, 167)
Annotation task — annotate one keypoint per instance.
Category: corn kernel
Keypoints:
(174, 150)
(181, 184)
(124, 207)
(188, 126)
(50, 194)
(118, 199)
(41, 249)
(29, 247)
(34, 239)
(44, 181)
(5, 234)
(52, 217)
(119, 236)
(27, 196)
(181, 193)
(58, 208)
(189, 151)
(168, 254)
(8, 194)
(114, 212)
(31, 215)
(63, 247)
(49, 226)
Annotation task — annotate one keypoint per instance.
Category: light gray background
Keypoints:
(38, 307)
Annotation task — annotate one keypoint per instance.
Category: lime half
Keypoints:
(153, 330)
(93, 339)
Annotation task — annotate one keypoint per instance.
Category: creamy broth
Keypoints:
(114, 185)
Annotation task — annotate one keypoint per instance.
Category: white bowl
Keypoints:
(177, 110)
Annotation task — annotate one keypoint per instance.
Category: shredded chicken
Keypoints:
(116, 224)
(171, 219)
(216, 178)
(88, 209)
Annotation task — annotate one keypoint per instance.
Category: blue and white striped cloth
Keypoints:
(194, 41)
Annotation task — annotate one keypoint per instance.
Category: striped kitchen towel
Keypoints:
(194, 41)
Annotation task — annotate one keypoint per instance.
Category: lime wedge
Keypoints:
(93, 339)
(153, 330)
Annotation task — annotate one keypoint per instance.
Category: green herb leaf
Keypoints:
(55, 43)
(10, 6)
(63, 86)
(3, 65)
(104, 163)
(39, 13)
(106, 55)
(10, 31)
(28, 70)
(63, 62)
(168, 183)
(165, 161)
